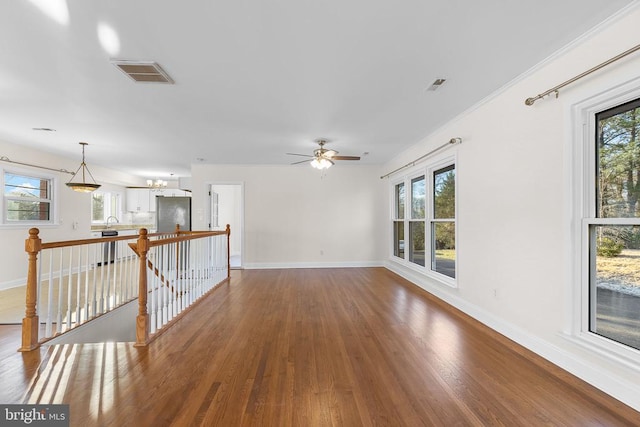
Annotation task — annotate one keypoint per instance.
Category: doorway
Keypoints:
(227, 207)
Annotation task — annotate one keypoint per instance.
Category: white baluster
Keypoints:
(60, 291)
(48, 329)
(94, 296)
(78, 282)
(39, 289)
(86, 283)
(69, 287)
(151, 284)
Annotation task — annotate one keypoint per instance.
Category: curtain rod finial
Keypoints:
(455, 140)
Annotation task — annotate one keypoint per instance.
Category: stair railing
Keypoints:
(174, 272)
(70, 283)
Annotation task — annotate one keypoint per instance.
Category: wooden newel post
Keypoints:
(30, 323)
(228, 251)
(142, 320)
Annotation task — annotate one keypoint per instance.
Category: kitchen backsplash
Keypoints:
(138, 218)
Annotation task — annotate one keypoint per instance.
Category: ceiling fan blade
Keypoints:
(301, 161)
(345, 158)
(296, 154)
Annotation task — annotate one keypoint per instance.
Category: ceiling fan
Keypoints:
(322, 158)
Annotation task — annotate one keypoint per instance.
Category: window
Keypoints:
(443, 222)
(424, 220)
(614, 228)
(104, 205)
(27, 198)
(416, 222)
(398, 223)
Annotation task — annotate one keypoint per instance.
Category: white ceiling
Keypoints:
(255, 79)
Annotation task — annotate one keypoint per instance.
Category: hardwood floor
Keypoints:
(317, 347)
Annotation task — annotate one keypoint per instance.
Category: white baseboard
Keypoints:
(23, 281)
(12, 284)
(615, 386)
(268, 265)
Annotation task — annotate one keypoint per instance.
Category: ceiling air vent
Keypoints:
(143, 72)
(436, 84)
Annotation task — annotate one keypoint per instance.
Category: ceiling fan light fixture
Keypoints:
(83, 186)
(321, 163)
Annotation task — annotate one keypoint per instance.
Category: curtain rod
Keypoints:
(452, 141)
(6, 159)
(530, 101)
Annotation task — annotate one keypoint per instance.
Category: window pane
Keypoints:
(443, 248)
(400, 201)
(25, 186)
(618, 168)
(398, 239)
(615, 289)
(418, 198)
(114, 206)
(97, 207)
(444, 193)
(416, 246)
(22, 210)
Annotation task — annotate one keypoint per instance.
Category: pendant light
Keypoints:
(84, 186)
(321, 163)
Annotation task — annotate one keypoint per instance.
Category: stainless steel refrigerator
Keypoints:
(171, 211)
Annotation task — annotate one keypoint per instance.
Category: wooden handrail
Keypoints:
(66, 243)
(141, 245)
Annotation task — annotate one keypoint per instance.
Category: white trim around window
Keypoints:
(580, 161)
(44, 198)
(403, 250)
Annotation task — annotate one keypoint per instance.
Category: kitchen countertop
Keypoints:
(121, 227)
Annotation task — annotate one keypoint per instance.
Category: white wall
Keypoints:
(72, 207)
(514, 241)
(296, 217)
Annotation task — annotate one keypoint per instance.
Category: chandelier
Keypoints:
(83, 186)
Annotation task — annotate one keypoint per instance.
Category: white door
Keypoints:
(227, 207)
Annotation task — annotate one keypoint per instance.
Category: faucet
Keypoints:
(112, 217)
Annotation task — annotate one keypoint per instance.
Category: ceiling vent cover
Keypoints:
(143, 72)
(436, 84)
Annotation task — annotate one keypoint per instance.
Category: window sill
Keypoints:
(26, 226)
(425, 272)
(611, 350)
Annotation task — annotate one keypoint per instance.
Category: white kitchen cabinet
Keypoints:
(152, 200)
(139, 200)
(173, 192)
(144, 199)
(166, 192)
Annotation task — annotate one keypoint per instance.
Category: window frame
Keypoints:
(433, 220)
(415, 221)
(118, 210)
(427, 170)
(581, 186)
(52, 180)
(397, 219)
